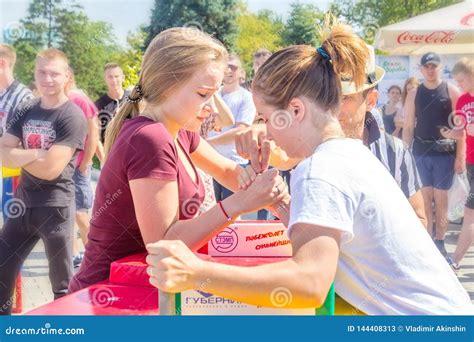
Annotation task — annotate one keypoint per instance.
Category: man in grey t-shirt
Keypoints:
(241, 104)
(12, 92)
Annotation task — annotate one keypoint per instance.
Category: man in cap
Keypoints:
(432, 107)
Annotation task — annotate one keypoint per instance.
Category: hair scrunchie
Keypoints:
(138, 98)
(323, 53)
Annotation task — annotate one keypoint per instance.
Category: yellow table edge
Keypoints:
(7, 172)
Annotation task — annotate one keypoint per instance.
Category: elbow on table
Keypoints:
(313, 293)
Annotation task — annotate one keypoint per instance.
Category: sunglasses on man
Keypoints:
(232, 67)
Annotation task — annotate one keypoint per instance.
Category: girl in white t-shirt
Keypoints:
(348, 220)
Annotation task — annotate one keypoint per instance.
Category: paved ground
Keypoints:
(37, 290)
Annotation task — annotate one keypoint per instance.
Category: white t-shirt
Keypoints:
(241, 104)
(388, 264)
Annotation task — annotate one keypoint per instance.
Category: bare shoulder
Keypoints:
(453, 90)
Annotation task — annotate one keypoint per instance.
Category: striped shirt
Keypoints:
(395, 155)
(10, 99)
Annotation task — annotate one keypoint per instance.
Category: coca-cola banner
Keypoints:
(430, 37)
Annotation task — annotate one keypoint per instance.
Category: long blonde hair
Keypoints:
(301, 70)
(170, 60)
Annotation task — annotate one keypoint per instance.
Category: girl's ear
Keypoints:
(297, 108)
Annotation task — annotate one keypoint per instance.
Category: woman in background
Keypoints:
(390, 110)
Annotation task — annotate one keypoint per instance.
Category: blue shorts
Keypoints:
(83, 190)
(436, 171)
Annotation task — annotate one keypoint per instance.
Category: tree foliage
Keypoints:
(261, 30)
(63, 25)
(301, 27)
(215, 17)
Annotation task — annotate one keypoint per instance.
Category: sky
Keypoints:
(128, 15)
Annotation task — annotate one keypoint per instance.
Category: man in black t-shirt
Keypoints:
(428, 109)
(108, 103)
(50, 131)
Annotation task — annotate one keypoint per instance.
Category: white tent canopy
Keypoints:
(449, 30)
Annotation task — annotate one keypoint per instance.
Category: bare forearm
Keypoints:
(461, 148)
(100, 153)
(282, 211)
(18, 157)
(408, 135)
(265, 285)
(229, 178)
(49, 166)
(89, 150)
(226, 137)
(198, 231)
(92, 142)
(42, 168)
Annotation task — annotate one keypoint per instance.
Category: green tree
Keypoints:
(63, 25)
(131, 58)
(88, 45)
(301, 27)
(369, 15)
(261, 30)
(39, 29)
(215, 17)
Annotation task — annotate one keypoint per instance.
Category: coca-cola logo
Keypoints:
(435, 37)
(468, 20)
